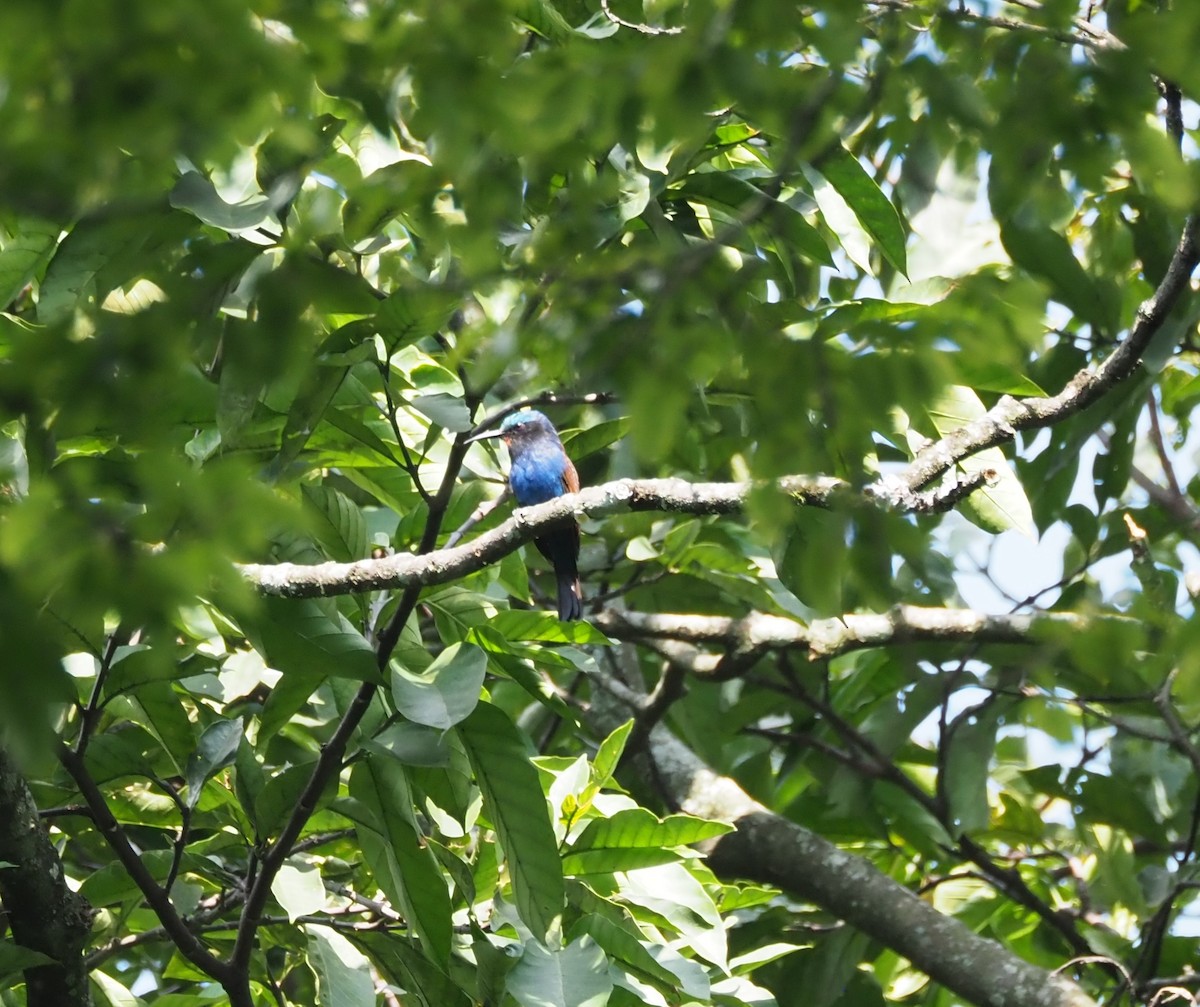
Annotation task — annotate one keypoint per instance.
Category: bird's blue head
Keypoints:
(522, 428)
(526, 423)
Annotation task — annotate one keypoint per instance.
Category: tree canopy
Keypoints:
(839, 307)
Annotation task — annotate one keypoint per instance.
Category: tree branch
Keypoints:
(1085, 34)
(330, 760)
(766, 847)
(190, 946)
(1002, 421)
(755, 634)
(404, 570)
(46, 916)
(902, 491)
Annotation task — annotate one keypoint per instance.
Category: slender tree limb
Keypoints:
(543, 399)
(190, 946)
(403, 570)
(902, 491)
(330, 761)
(1086, 34)
(1000, 424)
(878, 764)
(767, 847)
(45, 915)
(645, 29)
(755, 634)
(90, 714)
(1178, 506)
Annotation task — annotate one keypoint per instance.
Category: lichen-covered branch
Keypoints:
(45, 915)
(905, 491)
(769, 848)
(757, 633)
(1009, 415)
(407, 569)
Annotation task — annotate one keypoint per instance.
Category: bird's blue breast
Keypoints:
(537, 473)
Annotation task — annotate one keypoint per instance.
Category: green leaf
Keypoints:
(635, 838)
(608, 861)
(309, 637)
(514, 802)
(1046, 254)
(416, 744)
(110, 244)
(841, 219)
(286, 699)
(340, 525)
(575, 976)
(158, 707)
(448, 411)
(1002, 505)
(748, 962)
(634, 194)
(874, 210)
(413, 313)
(14, 959)
(635, 827)
(994, 376)
(673, 892)
(113, 992)
(113, 755)
(248, 779)
(343, 972)
(359, 431)
(583, 443)
(381, 196)
(196, 194)
(814, 558)
(403, 964)
(239, 387)
(544, 627)
(403, 865)
(276, 799)
(446, 692)
(608, 756)
(216, 749)
(968, 762)
(307, 410)
(719, 188)
(299, 889)
(624, 944)
(136, 667)
(24, 255)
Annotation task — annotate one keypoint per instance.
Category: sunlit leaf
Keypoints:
(299, 889)
(196, 194)
(216, 749)
(576, 976)
(513, 800)
(446, 692)
(343, 972)
(874, 210)
(1002, 505)
(23, 255)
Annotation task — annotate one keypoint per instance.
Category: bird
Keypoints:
(539, 470)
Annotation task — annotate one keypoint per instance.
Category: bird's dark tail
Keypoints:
(570, 597)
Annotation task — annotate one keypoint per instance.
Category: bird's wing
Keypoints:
(570, 478)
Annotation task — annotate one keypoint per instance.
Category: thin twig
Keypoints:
(156, 897)
(330, 760)
(91, 712)
(645, 29)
